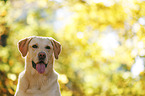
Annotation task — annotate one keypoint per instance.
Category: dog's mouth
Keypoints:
(40, 66)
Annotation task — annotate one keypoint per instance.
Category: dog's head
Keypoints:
(39, 51)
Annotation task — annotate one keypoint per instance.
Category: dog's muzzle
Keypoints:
(40, 67)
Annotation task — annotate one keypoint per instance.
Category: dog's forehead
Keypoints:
(41, 40)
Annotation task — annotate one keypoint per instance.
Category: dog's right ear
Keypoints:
(23, 46)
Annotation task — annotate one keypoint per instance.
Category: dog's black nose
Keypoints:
(41, 55)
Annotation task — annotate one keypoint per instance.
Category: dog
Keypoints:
(38, 78)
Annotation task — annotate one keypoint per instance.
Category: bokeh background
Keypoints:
(103, 44)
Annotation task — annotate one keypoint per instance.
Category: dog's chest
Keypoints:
(38, 82)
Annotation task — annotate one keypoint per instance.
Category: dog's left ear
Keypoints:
(56, 47)
(23, 46)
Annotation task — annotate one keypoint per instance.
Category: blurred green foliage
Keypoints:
(85, 67)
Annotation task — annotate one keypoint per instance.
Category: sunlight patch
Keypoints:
(138, 66)
(80, 35)
(12, 76)
(62, 78)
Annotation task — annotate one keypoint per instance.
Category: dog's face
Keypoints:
(39, 51)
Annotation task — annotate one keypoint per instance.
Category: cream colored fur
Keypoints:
(30, 81)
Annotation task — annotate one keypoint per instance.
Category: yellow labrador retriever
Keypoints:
(39, 77)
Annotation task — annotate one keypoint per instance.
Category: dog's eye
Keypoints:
(35, 46)
(47, 47)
